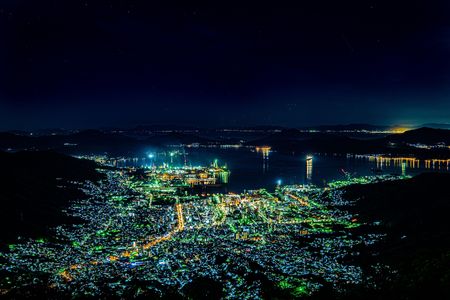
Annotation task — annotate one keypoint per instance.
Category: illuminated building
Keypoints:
(265, 150)
(309, 166)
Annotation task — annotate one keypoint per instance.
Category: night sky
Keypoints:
(79, 64)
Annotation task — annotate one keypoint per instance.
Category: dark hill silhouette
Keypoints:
(420, 203)
(356, 126)
(175, 138)
(436, 125)
(96, 141)
(286, 137)
(414, 213)
(11, 140)
(287, 140)
(296, 141)
(80, 142)
(29, 196)
(293, 140)
(423, 135)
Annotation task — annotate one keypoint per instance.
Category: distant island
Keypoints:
(424, 142)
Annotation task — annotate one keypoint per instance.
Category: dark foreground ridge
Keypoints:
(35, 187)
(414, 213)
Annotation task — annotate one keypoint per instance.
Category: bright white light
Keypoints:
(151, 155)
(279, 181)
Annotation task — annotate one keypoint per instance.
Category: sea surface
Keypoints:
(252, 170)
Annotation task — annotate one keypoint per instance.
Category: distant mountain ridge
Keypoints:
(352, 126)
(424, 135)
(289, 140)
(436, 125)
(94, 141)
(296, 141)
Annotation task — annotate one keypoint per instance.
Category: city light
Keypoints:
(151, 225)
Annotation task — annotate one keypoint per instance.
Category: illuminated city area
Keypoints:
(218, 150)
(147, 228)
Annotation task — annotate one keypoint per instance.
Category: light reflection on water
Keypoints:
(262, 168)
